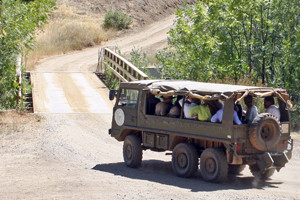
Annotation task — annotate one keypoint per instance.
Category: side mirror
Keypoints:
(112, 94)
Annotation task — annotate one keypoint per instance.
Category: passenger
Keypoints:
(152, 101)
(239, 109)
(163, 108)
(270, 107)
(188, 104)
(251, 112)
(217, 118)
(214, 105)
(201, 112)
(175, 110)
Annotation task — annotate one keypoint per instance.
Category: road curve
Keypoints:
(67, 84)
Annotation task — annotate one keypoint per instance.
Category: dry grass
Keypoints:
(67, 31)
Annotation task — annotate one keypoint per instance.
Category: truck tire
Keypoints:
(132, 151)
(265, 132)
(184, 160)
(213, 165)
(267, 173)
(235, 169)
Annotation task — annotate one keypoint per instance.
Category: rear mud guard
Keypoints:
(264, 161)
(280, 160)
(289, 151)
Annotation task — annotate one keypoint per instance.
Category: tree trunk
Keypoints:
(263, 68)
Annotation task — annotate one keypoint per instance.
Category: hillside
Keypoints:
(142, 11)
(77, 24)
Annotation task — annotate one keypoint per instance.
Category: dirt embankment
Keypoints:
(142, 11)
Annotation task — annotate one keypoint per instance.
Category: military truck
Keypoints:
(264, 144)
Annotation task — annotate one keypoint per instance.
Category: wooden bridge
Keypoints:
(121, 68)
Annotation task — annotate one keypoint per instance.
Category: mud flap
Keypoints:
(289, 152)
(264, 161)
(289, 155)
(280, 161)
(232, 157)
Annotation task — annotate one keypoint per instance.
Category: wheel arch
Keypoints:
(126, 132)
(176, 140)
(199, 143)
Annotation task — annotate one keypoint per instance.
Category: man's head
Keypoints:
(214, 103)
(167, 98)
(248, 100)
(189, 99)
(193, 100)
(268, 101)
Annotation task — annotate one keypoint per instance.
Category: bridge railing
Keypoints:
(120, 67)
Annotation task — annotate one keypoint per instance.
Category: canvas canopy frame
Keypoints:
(209, 91)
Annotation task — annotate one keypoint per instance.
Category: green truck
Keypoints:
(264, 144)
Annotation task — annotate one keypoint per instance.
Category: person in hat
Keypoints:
(163, 107)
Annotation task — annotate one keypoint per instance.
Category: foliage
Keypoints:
(110, 81)
(295, 115)
(237, 39)
(140, 59)
(18, 22)
(66, 32)
(117, 20)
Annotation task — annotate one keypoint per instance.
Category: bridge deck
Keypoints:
(69, 92)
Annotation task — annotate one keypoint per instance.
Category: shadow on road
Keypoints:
(161, 172)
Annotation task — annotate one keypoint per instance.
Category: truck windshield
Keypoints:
(128, 98)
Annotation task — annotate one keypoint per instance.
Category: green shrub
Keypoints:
(140, 59)
(295, 114)
(110, 80)
(117, 20)
(18, 24)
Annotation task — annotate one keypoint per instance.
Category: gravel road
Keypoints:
(71, 156)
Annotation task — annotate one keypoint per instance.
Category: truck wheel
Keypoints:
(184, 160)
(262, 175)
(265, 132)
(213, 165)
(235, 169)
(132, 151)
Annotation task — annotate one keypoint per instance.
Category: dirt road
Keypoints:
(54, 155)
(71, 156)
(66, 83)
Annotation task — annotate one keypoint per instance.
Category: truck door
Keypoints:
(125, 112)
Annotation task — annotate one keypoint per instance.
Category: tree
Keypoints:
(18, 22)
(239, 39)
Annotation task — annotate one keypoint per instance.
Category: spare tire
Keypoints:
(265, 132)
